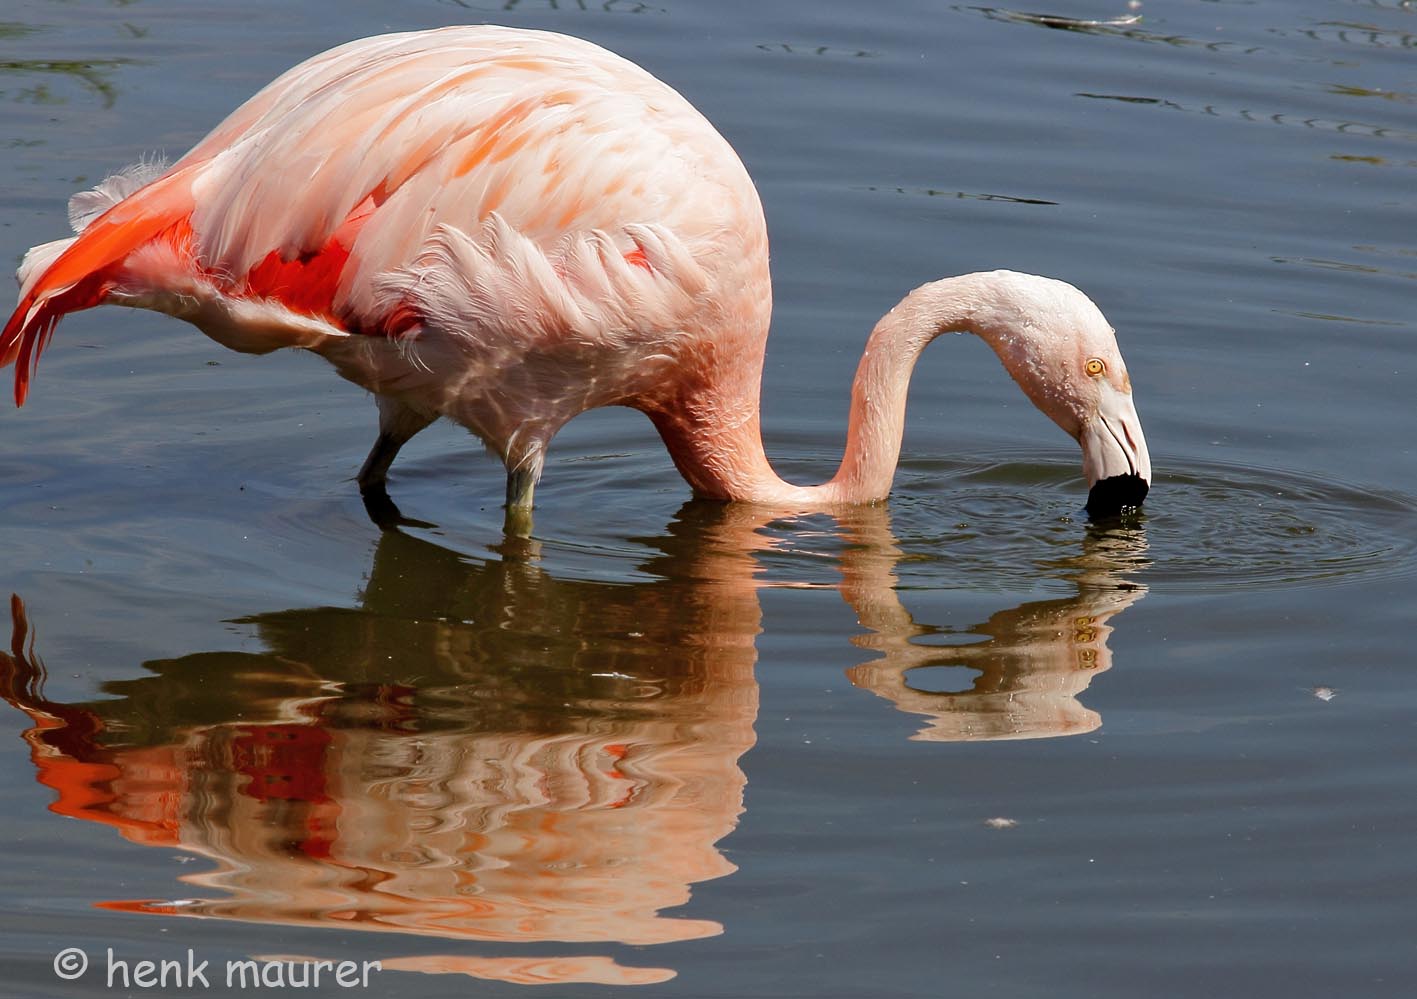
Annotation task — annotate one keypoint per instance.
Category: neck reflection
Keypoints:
(481, 751)
(1025, 667)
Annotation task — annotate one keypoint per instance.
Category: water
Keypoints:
(682, 750)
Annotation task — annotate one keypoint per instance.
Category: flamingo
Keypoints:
(508, 228)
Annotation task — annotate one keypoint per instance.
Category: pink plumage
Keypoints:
(508, 228)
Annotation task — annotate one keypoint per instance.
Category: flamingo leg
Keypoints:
(397, 425)
(521, 481)
(523, 472)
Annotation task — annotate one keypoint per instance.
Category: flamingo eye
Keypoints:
(1096, 366)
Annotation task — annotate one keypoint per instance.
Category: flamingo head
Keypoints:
(1063, 353)
(1114, 455)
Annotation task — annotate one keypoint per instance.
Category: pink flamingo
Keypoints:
(508, 228)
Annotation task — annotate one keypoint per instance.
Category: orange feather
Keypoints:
(84, 273)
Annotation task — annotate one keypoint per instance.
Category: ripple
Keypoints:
(1342, 126)
(930, 192)
(1126, 27)
(1236, 526)
(1010, 520)
(1213, 525)
(1405, 6)
(1058, 21)
(1354, 33)
(826, 51)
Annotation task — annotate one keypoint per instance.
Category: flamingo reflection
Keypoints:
(483, 752)
(1032, 661)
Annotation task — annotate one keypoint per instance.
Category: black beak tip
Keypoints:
(1112, 496)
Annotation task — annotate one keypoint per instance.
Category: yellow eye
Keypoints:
(1096, 366)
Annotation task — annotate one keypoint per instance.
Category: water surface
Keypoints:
(964, 743)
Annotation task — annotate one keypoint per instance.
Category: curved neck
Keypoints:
(878, 393)
(714, 433)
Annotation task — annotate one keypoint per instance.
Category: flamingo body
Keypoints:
(508, 228)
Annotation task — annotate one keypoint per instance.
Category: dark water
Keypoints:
(962, 745)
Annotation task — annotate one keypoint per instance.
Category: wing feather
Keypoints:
(444, 128)
(580, 197)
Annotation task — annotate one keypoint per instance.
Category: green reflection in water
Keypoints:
(92, 74)
(13, 29)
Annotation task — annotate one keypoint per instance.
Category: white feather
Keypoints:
(38, 259)
(88, 205)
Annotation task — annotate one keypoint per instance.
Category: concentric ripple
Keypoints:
(1212, 525)
(1004, 521)
(1218, 525)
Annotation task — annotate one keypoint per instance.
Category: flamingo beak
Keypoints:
(1114, 455)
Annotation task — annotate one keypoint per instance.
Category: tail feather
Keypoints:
(39, 259)
(30, 329)
(81, 276)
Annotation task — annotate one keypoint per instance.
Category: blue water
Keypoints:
(962, 744)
